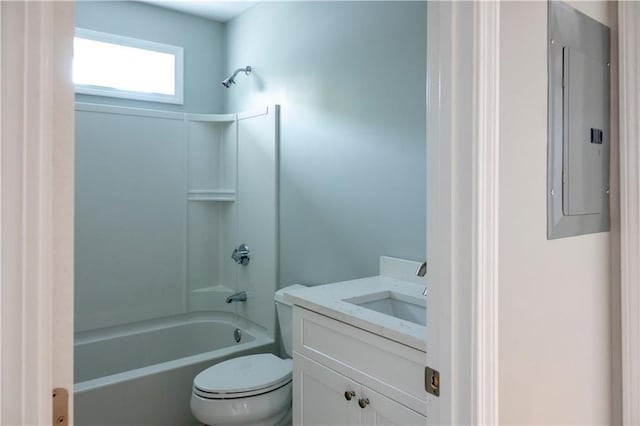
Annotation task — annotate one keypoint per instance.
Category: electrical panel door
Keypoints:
(579, 124)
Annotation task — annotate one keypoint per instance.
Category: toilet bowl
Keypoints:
(253, 389)
(248, 390)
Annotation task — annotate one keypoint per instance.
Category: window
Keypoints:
(123, 67)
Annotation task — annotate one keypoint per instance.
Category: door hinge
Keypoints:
(432, 381)
(60, 397)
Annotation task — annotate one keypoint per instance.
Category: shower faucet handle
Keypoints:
(241, 255)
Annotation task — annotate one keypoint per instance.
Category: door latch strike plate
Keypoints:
(432, 381)
(60, 398)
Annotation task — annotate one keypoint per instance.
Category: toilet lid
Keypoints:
(242, 374)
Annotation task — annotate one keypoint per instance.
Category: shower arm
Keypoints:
(227, 82)
(247, 71)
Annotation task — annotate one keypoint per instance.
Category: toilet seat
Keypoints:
(238, 395)
(243, 377)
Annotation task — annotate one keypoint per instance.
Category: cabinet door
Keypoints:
(319, 395)
(381, 410)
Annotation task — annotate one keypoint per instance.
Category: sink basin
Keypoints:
(397, 305)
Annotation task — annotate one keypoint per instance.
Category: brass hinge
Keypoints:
(60, 397)
(432, 381)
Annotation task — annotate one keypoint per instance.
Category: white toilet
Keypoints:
(248, 390)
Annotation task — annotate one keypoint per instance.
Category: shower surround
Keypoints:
(162, 199)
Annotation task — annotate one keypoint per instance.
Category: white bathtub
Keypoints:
(142, 374)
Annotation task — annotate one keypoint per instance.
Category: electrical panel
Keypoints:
(579, 124)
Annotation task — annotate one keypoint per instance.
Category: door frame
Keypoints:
(486, 218)
(36, 208)
(629, 84)
(463, 63)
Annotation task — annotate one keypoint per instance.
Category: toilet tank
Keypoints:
(285, 316)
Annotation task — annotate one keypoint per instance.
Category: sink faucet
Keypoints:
(237, 297)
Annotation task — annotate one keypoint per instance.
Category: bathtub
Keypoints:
(141, 374)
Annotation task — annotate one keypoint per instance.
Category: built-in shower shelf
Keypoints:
(212, 195)
(213, 118)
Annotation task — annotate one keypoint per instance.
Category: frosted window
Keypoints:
(109, 65)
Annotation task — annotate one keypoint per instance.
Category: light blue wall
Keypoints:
(203, 41)
(350, 77)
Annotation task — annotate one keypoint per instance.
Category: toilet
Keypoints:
(252, 389)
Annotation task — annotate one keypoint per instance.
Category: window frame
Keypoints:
(176, 51)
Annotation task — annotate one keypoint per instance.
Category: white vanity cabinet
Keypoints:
(322, 396)
(343, 375)
(325, 397)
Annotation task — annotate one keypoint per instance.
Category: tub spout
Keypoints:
(238, 297)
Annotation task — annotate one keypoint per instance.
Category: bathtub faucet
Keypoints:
(238, 297)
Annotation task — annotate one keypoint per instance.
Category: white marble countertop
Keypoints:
(329, 300)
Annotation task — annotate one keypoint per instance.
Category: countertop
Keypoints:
(328, 300)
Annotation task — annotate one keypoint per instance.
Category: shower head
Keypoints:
(227, 82)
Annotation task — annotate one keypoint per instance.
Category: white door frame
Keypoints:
(36, 208)
(463, 59)
(629, 84)
(486, 161)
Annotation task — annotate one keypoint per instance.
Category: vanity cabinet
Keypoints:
(326, 397)
(343, 375)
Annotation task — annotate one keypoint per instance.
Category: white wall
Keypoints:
(129, 219)
(350, 77)
(557, 317)
(143, 250)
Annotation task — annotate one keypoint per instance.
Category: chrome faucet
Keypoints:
(237, 297)
(241, 255)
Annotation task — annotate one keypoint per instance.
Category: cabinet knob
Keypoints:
(348, 395)
(363, 402)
